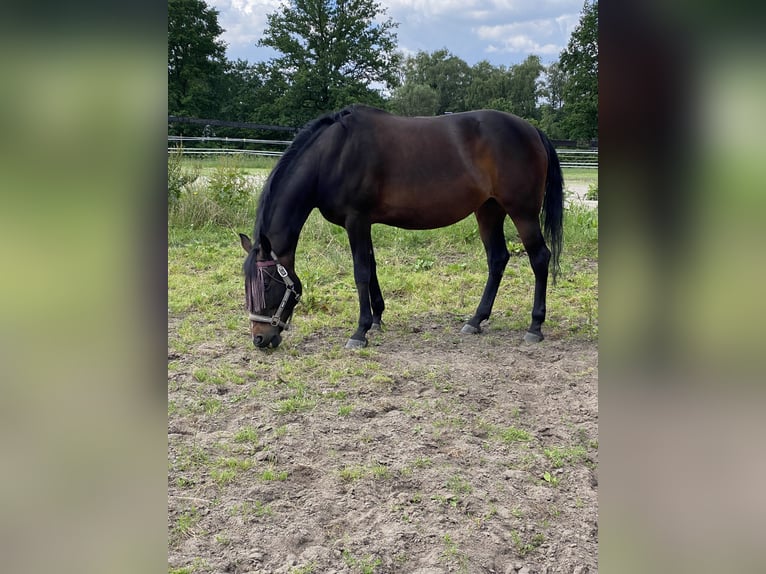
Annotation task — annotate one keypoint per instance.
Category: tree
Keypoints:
(579, 62)
(552, 92)
(333, 52)
(525, 88)
(414, 100)
(196, 59)
(488, 84)
(443, 72)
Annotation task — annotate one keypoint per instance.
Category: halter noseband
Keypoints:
(276, 319)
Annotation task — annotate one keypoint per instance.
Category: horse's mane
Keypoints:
(305, 137)
(301, 142)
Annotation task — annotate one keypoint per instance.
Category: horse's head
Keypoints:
(271, 293)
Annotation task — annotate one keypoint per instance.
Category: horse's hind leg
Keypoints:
(539, 255)
(360, 238)
(490, 217)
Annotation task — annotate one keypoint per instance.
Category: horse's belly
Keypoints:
(422, 210)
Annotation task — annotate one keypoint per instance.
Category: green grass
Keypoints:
(249, 163)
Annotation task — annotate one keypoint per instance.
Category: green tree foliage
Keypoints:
(196, 59)
(552, 93)
(443, 72)
(579, 63)
(525, 88)
(414, 100)
(459, 87)
(332, 53)
(488, 84)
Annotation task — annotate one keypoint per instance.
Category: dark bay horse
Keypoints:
(362, 166)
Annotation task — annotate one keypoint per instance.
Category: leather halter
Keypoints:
(276, 319)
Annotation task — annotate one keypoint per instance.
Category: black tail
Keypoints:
(553, 205)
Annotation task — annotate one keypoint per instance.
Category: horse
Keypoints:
(361, 165)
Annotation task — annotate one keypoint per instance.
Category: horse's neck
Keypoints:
(287, 222)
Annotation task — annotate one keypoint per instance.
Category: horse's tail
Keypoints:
(553, 205)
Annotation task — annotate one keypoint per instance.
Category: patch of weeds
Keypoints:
(201, 375)
(270, 474)
(182, 570)
(227, 469)
(294, 404)
(380, 472)
(451, 553)
(351, 473)
(516, 512)
(523, 548)
(491, 513)
(512, 434)
(191, 457)
(345, 410)
(223, 476)
(458, 485)
(442, 500)
(211, 405)
(298, 402)
(246, 435)
(356, 472)
(223, 540)
(382, 380)
(550, 479)
(186, 522)
(366, 565)
(183, 482)
(422, 462)
(562, 455)
(424, 264)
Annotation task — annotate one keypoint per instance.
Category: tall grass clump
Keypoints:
(224, 198)
(179, 177)
(581, 232)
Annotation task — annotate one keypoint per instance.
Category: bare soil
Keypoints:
(427, 469)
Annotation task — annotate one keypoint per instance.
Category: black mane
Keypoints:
(303, 140)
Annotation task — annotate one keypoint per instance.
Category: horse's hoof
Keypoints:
(376, 327)
(356, 344)
(530, 337)
(470, 329)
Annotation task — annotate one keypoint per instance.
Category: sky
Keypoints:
(503, 32)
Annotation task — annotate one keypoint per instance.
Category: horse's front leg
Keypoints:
(361, 249)
(376, 295)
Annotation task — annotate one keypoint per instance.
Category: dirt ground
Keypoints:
(428, 468)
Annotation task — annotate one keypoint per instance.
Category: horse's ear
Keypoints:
(247, 245)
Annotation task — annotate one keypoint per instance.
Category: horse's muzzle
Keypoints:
(263, 342)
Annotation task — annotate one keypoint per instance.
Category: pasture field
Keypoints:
(428, 451)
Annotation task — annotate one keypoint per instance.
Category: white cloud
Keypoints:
(470, 29)
(545, 37)
(428, 8)
(243, 21)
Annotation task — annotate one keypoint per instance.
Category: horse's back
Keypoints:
(427, 172)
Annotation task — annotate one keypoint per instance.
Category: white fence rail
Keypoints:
(569, 157)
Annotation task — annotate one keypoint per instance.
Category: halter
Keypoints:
(276, 319)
